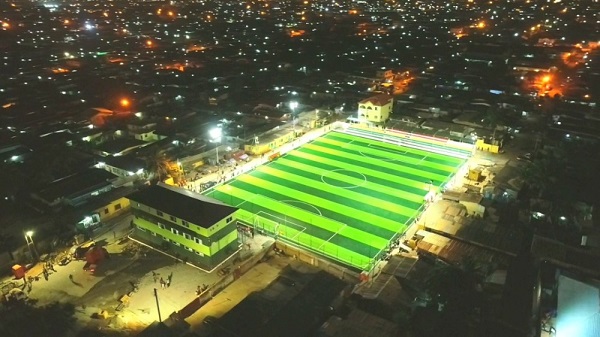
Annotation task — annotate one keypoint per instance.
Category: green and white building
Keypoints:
(189, 225)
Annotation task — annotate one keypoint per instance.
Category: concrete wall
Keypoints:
(319, 262)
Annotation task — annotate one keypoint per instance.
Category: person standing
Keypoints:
(162, 283)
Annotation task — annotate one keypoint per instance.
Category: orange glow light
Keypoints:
(481, 25)
(5, 25)
(149, 43)
(124, 102)
(546, 79)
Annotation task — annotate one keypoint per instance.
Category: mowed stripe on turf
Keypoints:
(445, 145)
(272, 206)
(424, 173)
(380, 152)
(267, 209)
(334, 215)
(358, 214)
(347, 197)
(328, 248)
(394, 184)
(359, 167)
(431, 156)
(383, 191)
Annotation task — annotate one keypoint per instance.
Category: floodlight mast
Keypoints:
(216, 134)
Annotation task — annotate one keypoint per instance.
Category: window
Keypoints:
(198, 253)
(159, 213)
(106, 211)
(153, 233)
(172, 218)
(189, 249)
(161, 226)
(141, 228)
(174, 231)
(184, 223)
(187, 236)
(117, 207)
(198, 241)
(175, 243)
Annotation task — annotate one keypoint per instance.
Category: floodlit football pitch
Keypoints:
(345, 195)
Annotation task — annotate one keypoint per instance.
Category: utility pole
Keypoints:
(157, 305)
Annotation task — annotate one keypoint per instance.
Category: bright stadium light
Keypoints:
(215, 136)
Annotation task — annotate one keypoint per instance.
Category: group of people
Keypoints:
(163, 283)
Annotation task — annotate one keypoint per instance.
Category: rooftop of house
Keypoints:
(127, 163)
(379, 100)
(74, 184)
(184, 204)
(120, 145)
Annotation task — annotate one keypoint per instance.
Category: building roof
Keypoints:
(283, 310)
(578, 312)
(379, 100)
(181, 203)
(75, 185)
(454, 251)
(127, 163)
(120, 145)
(583, 260)
(454, 224)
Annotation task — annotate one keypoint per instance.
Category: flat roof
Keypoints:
(578, 312)
(76, 184)
(181, 203)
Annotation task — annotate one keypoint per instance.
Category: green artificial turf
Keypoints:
(342, 196)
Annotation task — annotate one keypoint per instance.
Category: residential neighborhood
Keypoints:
(299, 168)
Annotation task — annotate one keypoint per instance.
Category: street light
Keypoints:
(215, 136)
(31, 245)
(124, 103)
(293, 106)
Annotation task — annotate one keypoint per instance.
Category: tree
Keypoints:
(157, 165)
(23, 318)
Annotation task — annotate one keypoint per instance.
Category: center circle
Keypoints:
(327, 178)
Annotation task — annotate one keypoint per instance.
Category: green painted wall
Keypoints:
(209, 242)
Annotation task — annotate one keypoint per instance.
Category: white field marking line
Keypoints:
(347, 187)
(419, 163)
(371, 145)
(245, 201)
(331, 237)
(284, 220)
(348, 143)
(302, 202)
(374, 146)
(411, 144)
